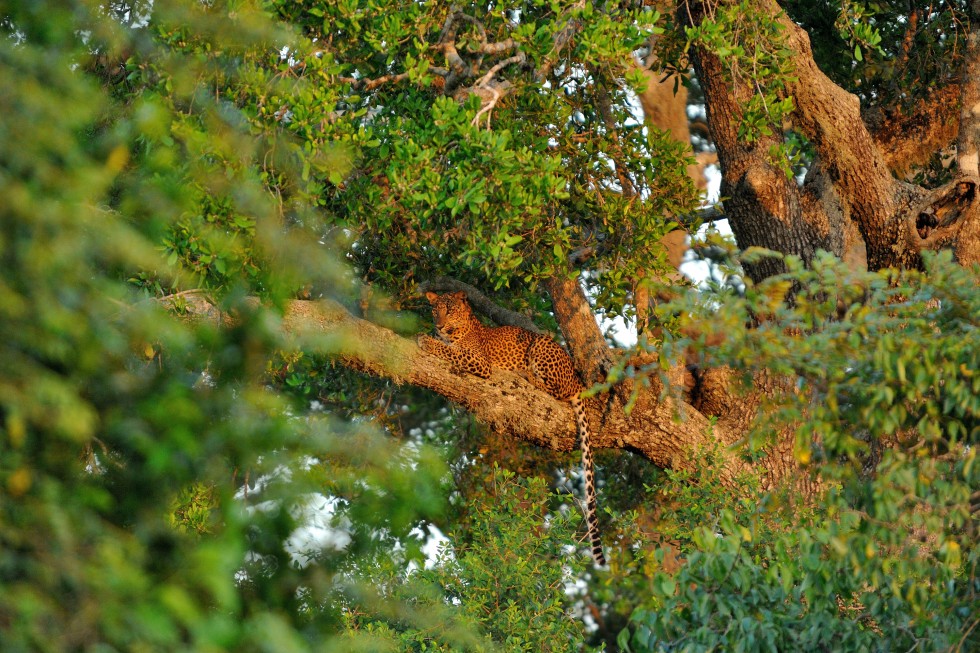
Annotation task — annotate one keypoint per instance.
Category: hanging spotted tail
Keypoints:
(591, 513)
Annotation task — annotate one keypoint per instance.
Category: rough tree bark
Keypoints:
(850, 204)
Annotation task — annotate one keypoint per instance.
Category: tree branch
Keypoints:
(669, 433)
(850, 203)
(465, 66)
(588, 348)
(508, 403)
(365, 84)
(968, 142)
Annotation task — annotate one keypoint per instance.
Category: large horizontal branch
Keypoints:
(669, 433)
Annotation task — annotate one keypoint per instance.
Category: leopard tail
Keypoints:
(591, 513)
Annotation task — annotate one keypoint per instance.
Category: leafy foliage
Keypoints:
(886, 559)
(510, 191)
(158, 477)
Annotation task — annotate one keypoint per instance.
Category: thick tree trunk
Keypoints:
(850, 203)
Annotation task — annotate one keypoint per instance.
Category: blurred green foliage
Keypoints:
(125, 431)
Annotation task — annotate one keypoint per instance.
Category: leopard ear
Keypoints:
(431, 296)
(459, 294)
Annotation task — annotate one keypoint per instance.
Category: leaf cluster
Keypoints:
(884, 408)
(889, 54)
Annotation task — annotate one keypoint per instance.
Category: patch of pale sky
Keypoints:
(624, 333)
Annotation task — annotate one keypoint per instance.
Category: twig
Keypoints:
(517, 58)
(562, 38)
(487, 109)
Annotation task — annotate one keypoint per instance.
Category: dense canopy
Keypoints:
(219, 220)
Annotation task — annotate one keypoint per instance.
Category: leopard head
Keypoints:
(452, 315)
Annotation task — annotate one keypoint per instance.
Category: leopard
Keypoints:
(471, 347)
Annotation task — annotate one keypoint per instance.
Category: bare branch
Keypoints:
(831, 118)
(487, 108)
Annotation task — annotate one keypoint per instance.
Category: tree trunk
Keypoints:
(850, 203)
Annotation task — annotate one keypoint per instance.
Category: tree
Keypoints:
(468, 170)
(447, 146)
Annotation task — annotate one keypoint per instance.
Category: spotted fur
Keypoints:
(473, 348)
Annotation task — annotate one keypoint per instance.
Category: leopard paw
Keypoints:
(428, 343)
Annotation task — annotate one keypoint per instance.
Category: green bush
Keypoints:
(888, 420)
